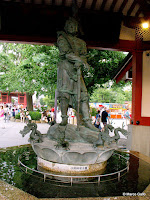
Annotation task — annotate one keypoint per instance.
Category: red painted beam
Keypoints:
(27, 39)
(122, 45)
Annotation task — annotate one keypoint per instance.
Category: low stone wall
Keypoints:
(9, 192)
(140, 139)
(33, 121)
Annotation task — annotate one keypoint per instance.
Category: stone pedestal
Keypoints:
(80, 157)
(58, 168)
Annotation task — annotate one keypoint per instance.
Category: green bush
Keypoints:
(35, 115)
(93, 111)
(17, 116)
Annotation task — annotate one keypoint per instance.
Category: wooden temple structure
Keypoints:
(104, 24)
(6, 98)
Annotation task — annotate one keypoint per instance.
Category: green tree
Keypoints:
(42, 102)
(123, 91)
(103, 95)
(114, 94)
(102, 66)
(128, 95)
(29, 68)
(49, 101)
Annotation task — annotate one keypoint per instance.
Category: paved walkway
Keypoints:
(10, 136)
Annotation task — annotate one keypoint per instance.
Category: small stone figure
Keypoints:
(99, 142)
(35, 135)
(71, 89)
(61, 142)
(104, 136)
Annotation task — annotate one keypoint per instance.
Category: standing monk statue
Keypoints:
(70, 82)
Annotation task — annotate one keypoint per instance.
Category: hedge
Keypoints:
(17, 116)
(93, 111)
(35, 115)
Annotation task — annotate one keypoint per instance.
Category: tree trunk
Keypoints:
(29, 102)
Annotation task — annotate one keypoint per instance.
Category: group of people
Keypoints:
(25, 116)
(48, 115)
(101, 116)
(6, 113)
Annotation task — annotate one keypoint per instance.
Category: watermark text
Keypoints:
(133, 194)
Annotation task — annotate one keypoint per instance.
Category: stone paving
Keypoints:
(10, 136)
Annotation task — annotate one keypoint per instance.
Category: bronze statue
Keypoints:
(70, 84)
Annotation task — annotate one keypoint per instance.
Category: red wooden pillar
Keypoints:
(136, 86)
(137, 62)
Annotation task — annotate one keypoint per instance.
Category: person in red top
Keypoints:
(52, 109)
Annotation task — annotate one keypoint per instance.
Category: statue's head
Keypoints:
(71, 26)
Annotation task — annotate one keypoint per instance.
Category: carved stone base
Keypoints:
(77, 154)
(44, 165)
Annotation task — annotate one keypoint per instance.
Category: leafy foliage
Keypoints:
(17, 116)
(35, 115)
(114, 94)
(93, 111)
(28, 68)
(102, 66)
(48, 100)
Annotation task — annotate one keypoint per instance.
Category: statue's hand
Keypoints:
(78, 64)
(73, 58)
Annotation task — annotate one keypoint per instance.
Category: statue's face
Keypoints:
(72, 28)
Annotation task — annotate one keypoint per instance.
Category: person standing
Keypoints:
(98, 120)
(127, 116)
(22, 116)
(104, 117)
(6, 113)
(1, 112)
(13, 113)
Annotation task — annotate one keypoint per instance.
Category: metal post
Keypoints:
(99, 179)
(44, 177)
(71, 181)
